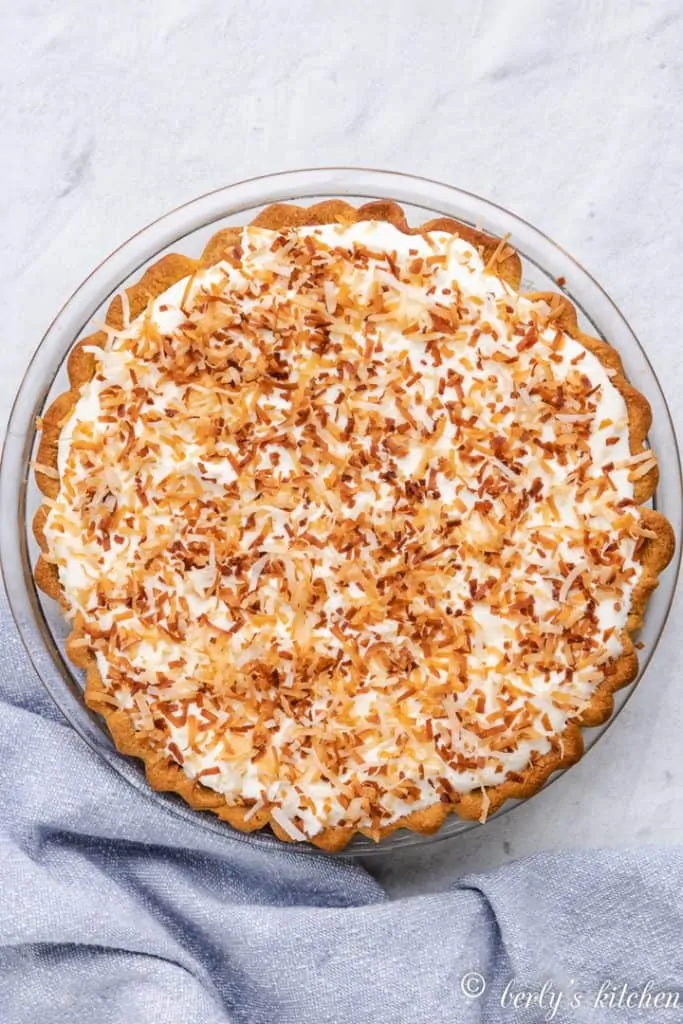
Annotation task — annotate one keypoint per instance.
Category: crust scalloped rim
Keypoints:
(162, 772)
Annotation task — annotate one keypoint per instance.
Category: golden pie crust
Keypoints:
(654, 553)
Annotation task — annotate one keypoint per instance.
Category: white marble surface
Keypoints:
(568, 113)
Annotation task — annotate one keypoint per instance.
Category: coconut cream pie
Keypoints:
(349, 531)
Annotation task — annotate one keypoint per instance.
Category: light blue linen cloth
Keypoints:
(115, 911)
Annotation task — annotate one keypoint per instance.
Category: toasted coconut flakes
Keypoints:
(643, 469)
(254, 809)
(648, 534)
(125, 308)
(499, 252)
(49, 471)
(146, 718)
(105, 698)
(287, 824)
(633, 460)
(485, 804)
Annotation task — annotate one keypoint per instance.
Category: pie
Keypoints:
(351, 534)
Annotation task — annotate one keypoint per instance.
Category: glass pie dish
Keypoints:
(546, 267)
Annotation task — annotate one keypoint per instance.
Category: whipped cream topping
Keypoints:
(348, 523)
